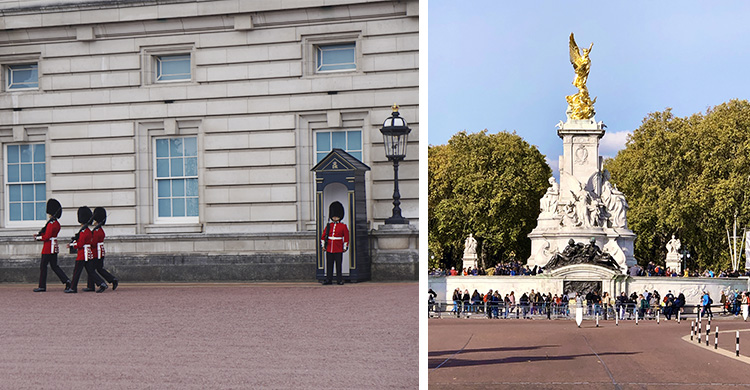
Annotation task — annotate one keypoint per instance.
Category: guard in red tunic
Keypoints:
(335, 241)
(82, 243)
(48, 234)
(97, 245)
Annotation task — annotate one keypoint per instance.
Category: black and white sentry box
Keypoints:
(341, 177)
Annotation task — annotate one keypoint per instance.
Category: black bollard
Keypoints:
(708, 332)
(737, 346)
(716, 338)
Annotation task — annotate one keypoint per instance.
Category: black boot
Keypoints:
(67, 284)
(39, 289)
(114, 285)
(102, 288)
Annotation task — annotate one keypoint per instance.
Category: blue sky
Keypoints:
(504, 65)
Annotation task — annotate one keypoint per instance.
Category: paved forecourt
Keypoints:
(201, 336)
(543, 354)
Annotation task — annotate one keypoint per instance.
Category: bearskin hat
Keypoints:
(54, 208)
(100, 215)
(84, 214)
(336, 210)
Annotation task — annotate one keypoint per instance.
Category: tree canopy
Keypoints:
(687, 176)
(488, 185)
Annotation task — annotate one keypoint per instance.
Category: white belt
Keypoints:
(335, 238)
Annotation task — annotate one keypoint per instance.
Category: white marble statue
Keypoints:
(548, 203)
(673, 245)
(582, 202)
(570, 217)
(615, 202)
(546, 251)
(470, 247)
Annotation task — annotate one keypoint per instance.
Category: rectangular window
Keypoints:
(26, 182)
(22, 76)
(176, 177)
(350, 141)
(173, 68)
(335, 58)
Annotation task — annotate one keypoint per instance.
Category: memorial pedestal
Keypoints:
(673, 262)
(470, 261)
(588, 205)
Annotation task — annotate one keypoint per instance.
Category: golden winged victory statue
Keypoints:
(581, 105)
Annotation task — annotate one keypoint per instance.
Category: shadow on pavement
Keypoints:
(433, 363)
(502, 349)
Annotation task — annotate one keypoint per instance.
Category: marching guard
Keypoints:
(82, 243)
(48, 234)
(335, 241)
(97, 245)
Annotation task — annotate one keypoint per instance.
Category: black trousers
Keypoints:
(51, 259)
(80, 265)
(99, 268)
(332, 258)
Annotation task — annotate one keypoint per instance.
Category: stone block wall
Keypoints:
(253, 101)
(212, 257)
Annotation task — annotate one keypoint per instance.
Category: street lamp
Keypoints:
(395, 133)
(685, 257)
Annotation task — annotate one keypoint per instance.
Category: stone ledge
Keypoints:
(266, 267)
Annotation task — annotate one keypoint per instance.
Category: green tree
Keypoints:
(687, 176)
(488, 185)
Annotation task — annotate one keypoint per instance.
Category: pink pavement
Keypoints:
(211, 336)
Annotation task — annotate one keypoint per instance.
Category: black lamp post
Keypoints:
(395, 133)
(685, 258)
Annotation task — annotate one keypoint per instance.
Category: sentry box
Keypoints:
(341, 177)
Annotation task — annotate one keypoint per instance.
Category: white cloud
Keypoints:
(555, 165)
(612, 142)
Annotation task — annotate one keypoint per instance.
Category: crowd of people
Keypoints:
(494, 304)
(515, 268)
(510, 268)
(653, 269)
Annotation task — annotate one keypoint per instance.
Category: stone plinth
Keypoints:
(470, 261)
(395, 252)
(673, 262)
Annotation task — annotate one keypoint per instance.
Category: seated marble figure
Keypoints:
(577, 253)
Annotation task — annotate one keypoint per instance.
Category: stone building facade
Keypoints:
(195, 123)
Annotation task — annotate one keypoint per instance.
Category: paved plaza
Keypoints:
(211, 336)
(543, 354)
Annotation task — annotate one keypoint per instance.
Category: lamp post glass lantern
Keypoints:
(395, 135)
(685, 258)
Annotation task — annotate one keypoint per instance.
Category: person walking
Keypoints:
(643, 306)
(457, 302)
(466, 302)
(82, 243)
(48, 234)
(97, 245)
(335, 241)
(706, 301)
(430, 301)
